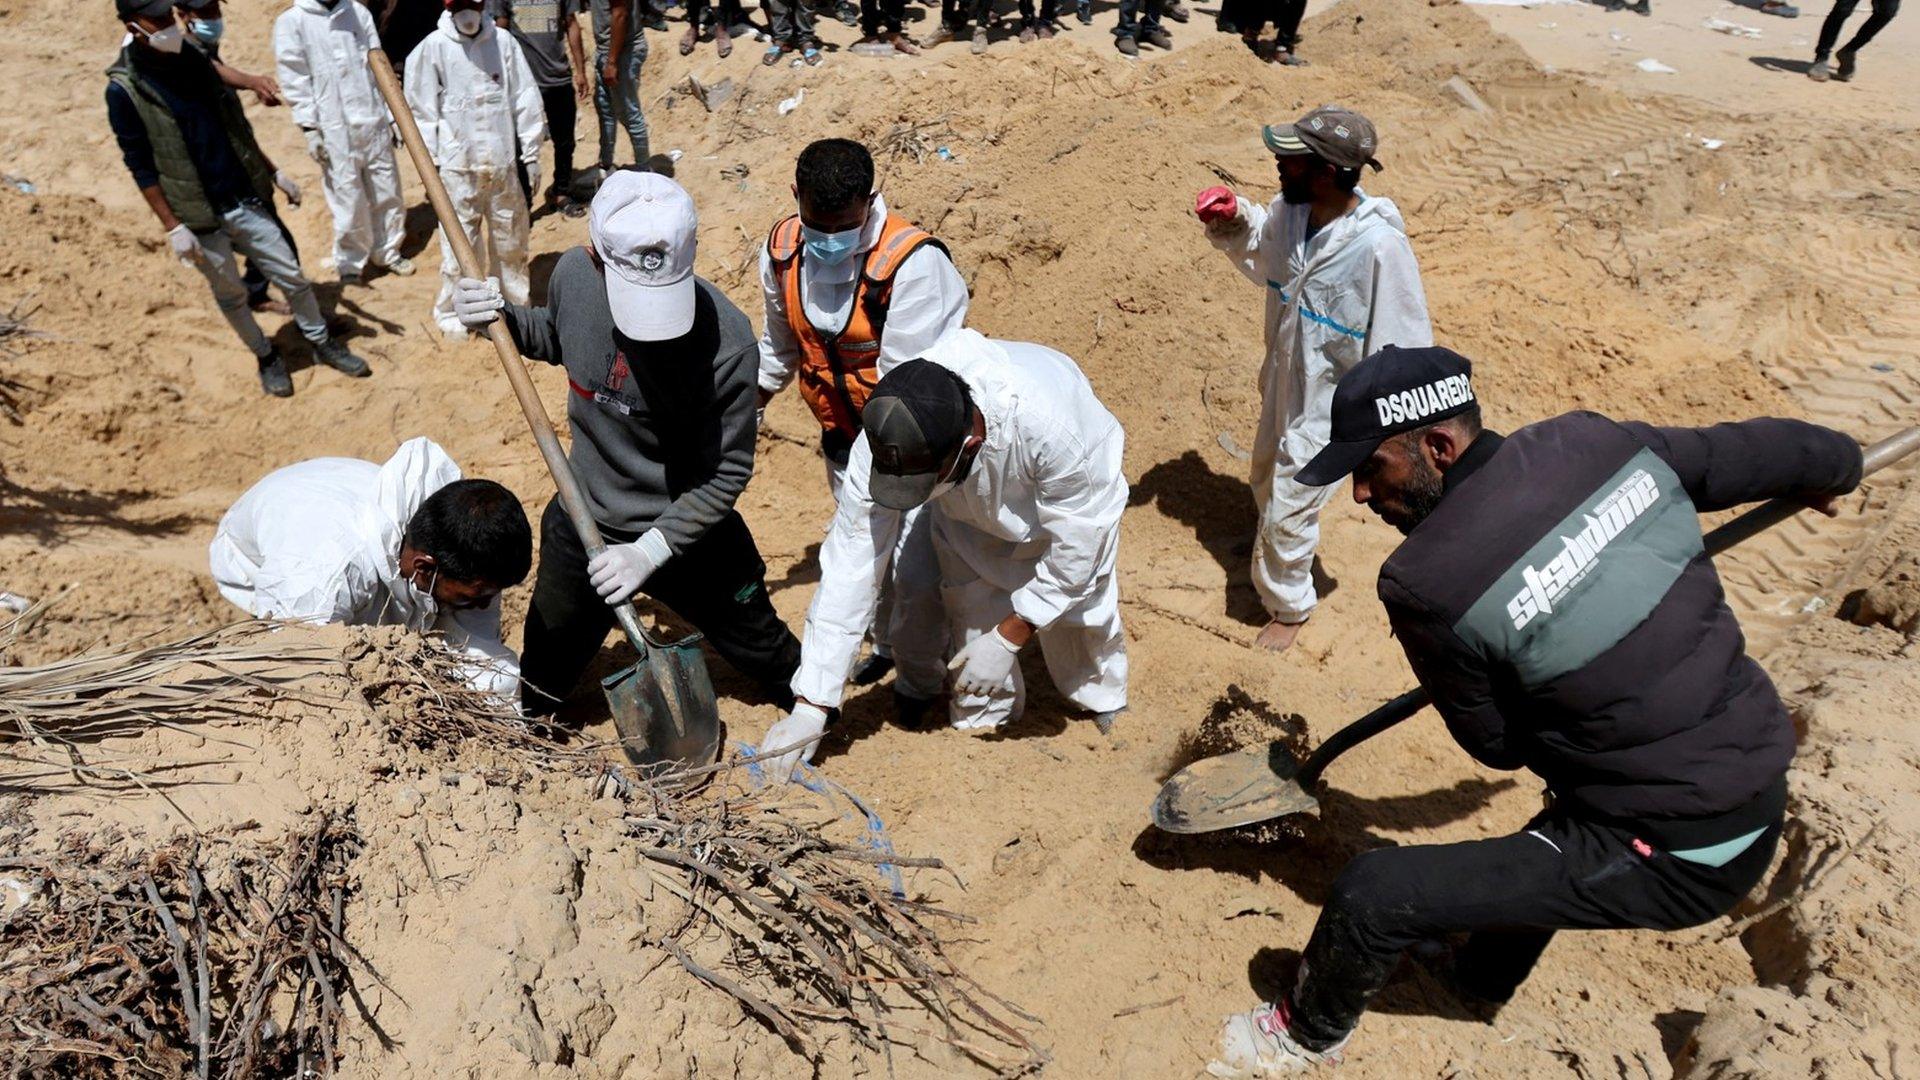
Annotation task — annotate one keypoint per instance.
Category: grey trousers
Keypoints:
(253, 231)
(791, 21)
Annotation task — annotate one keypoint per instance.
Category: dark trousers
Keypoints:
(790, 22)
(955, 13)
(1883, 13)
(719, 585)
(562, 111)
(1137, 17)
(878, 16)
(1049, 10)
(728, 12)
(1510, 895)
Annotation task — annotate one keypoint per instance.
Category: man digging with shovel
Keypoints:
(1555, 598)
(662, 369)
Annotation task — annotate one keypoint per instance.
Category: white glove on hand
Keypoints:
(805, 722)
(619, 571)
(186, 246)
(317, 149)
(983, 665)
(477, 303)
(533, 179)
(287, 187)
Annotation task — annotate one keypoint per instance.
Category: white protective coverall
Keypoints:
(1332, 299)
(1033, 529)
(320, 54)
(479, 111)
(929, 299)
(319, 541)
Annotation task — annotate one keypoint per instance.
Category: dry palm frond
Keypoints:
(14, 329)
(918, 140)
(231, 673)
(205, 958)
(816, 935)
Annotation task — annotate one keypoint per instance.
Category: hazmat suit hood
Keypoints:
(315, 7)
(415, 471)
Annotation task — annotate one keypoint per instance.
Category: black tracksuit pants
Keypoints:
(1883, 13)
(1509, 895)
(719, 585)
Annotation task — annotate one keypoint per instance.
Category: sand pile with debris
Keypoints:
(1585, 247)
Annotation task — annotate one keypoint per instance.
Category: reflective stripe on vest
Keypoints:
(837, 371)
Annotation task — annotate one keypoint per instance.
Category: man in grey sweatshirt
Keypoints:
(663, 371)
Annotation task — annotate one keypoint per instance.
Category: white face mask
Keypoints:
(468, 22)
(169, 40)
(418, 606)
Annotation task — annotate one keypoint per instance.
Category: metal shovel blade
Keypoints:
(664, 707)
(1229, 790)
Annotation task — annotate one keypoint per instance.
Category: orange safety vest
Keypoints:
(839, 369)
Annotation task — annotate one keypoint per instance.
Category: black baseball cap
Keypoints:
(1393, 391)
(916, 417)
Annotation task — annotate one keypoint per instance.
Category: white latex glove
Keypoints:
(804, 723)
(983, 664)
(533, 179)
(760, 418)
(186, 246)
(287, 187)
(477, 303)
(619, 571)
(317, 149)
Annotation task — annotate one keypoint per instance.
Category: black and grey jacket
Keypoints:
(1560, 607)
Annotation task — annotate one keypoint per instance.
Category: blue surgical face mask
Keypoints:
(207, 30)
(831, 249)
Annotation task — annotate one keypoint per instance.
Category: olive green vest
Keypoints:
(179, 180)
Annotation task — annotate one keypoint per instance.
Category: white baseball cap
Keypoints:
(643, 226)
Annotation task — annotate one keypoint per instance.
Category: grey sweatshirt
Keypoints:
(663, 431)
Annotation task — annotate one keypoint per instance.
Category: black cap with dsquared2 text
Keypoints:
(1393, 391)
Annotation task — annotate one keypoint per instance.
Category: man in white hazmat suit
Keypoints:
(339, 540)
(320, 50)
(1341, 282)
(1019, 466)
(852, 291)
(479, 111)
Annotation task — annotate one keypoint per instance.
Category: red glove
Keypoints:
(1216, 204)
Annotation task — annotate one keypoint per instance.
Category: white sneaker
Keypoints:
(401, 265)
(1256, 1044)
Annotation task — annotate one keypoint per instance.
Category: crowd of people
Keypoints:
(1552, 592)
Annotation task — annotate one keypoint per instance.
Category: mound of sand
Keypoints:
(1584, 246)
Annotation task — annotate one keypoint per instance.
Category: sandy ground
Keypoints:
(1580, 240)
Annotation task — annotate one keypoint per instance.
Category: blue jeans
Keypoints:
(629, 94)
(253, 231)
(1130, 10)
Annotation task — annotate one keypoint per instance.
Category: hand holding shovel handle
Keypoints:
(1262, 783)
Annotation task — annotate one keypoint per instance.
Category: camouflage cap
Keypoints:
(1338, 135)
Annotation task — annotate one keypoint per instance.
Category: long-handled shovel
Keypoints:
(1265, 782)
(663, 706)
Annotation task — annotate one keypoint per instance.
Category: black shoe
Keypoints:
(1642, 8)
(1084, 12)
(335, 355)
(1226, 26)
(273, 375)
(654, 21)
(846, 13)
(1843, 73)
(1159, 39)
(1177, 11)
(1126, 46)
(912, 713)
(872, 670)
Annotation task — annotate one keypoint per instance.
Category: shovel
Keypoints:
(663, 706)
(1261, 783)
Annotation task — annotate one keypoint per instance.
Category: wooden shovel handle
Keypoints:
(564, 481)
